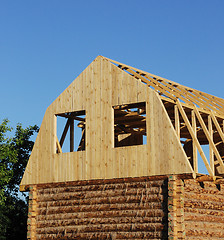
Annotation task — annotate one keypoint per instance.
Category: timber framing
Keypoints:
(133, 124)
(197, 117)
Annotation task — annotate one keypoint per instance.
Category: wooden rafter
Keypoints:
(174, 91)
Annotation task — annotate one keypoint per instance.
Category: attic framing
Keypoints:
(177, 120)
(197, 116)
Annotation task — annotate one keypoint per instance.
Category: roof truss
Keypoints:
(197, 117)
(173, 91)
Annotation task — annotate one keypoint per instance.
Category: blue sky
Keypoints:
(45, 45)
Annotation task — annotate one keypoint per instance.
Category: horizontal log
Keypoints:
(148, 227)
(100, 207)
(105, 236)
(208, 226)
(204, 211)
(201, 238)
(203, 196)
(87, 221)
(208, 188)
(204, 233)
(103, 200)
(102, 181)
(203, 218)
(100, 188)
(120, 213)
(96, 194)
(203, 204)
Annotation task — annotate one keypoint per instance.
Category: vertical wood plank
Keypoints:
(150, 121)
(96, 118)
(71, 127)
(195, 154)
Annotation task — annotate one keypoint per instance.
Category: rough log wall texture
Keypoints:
(115, 209)
(32, 213)
(203, 210)
(176, 228)
(133, 208)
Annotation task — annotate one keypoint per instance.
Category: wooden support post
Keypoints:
(211, 152)
(176, 229)
(71, 123)
(211, 143)
(177, 121)
(211, 173)
(32, 213)
(195, 154)
(217, 126)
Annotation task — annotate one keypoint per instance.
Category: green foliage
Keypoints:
(14, 154)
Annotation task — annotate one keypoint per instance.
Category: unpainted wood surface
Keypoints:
(96, 90)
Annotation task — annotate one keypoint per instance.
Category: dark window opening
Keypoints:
(130, 124)
(71, 131)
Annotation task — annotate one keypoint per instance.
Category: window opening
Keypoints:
(130, 124)
(71, 131)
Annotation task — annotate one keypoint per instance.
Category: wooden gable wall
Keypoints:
(96, 90)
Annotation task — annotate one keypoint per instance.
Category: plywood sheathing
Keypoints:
(96, 90)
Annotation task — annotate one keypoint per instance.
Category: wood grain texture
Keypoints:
(203, 210)
(128, 209)
(96, 90)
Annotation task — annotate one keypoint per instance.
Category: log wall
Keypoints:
(203, 210)
(157, 207)
(134, 208)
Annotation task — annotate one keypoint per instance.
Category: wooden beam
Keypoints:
(59, 150)
(153, 84)
(204, 100)
(195, 154)
(217, 126)
(82, 141)
(211, 152)
(71, 123)
(177, 121)
(169, 88)
(191, 131)
(64, 133)
(216, 152)
(208, 112)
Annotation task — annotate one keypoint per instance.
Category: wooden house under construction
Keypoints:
(134, 172)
